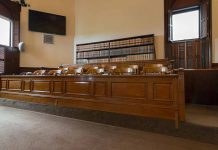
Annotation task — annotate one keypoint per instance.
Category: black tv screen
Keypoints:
(47, 23)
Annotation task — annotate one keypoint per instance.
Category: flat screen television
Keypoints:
(47, 23)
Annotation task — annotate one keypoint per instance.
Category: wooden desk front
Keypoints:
(160, 96)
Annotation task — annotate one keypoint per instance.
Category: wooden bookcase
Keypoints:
(119, 50)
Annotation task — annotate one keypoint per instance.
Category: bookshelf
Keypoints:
(120, 50)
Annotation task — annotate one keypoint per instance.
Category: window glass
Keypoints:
(185, 25)
(5, 31)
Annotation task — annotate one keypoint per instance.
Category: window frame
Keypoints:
(11, 32)
(180, 11)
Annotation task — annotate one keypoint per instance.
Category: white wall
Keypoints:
(37, 53)
(98, 20)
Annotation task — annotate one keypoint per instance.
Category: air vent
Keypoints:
(48, 39)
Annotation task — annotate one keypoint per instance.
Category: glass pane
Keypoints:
(185, 25)
(5, 32)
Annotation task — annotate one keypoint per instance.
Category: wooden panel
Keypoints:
(77, 88)
(201, 86)
(100, 89)
(41, 86)
(4, 84)
(27, 86)
(128, 90)
(14, 85)
(163, 92)
(57, 87)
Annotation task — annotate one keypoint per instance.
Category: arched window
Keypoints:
(5, 30)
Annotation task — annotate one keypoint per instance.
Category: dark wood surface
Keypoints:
(215, 65)
(160, 96)
(201, 86)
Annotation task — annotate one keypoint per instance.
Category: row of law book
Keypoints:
(140, 57)
(93, 54)
(92, 61)
(134, 58)
(118, 59)
(132, 42)
(117, 52)
(116, 44)
(133, 50)
(95, 46)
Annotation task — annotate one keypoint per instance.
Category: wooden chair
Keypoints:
(126, 70)
(54, 72)
(152, 68)
(73, 70)
(93, 70)
(155, 69)
(39, 72)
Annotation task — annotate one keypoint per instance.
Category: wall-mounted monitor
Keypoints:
(47, 23)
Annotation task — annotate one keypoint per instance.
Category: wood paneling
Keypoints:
(163, 92)
(100, 89)
(201, 86)
(9, 60)
(4, 84)
(57, 87)
(160, 96)
(41, 86)
(77, 88)
(14, 85)
(135, 90)
(27, 85)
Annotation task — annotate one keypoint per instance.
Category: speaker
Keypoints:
(21, 46)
